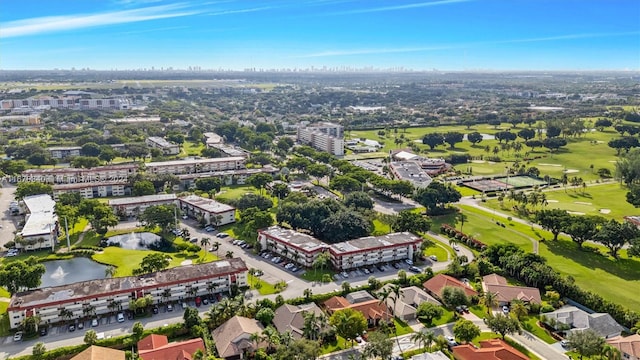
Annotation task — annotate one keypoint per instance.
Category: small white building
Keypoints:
(61, 152)
(40, 229)
(209, 210)
(168, 148)
(136, 205)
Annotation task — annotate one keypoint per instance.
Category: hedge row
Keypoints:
(462, 237)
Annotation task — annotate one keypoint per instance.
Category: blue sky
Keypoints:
(239, 34)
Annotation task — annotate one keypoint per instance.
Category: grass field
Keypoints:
(530, 323)
(607, 200)
(402, 328)
(615, 280)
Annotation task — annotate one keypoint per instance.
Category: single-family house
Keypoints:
(372, 309)
(629, 346)
(158, 347)
(233, 338)
(492, 349)
(506, 293)
(292, 318)
(94, 352)
(436, 284)
(578, 320)
(406, 305)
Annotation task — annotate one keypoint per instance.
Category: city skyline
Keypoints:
(455, 35)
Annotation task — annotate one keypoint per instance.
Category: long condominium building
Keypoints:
(194, 166)
(113, 294)
(323, 136)
(167, 148)
(40, 229)
(91, 190)
(136, 205)
(119, 172)
(369, 250)
(66, 102)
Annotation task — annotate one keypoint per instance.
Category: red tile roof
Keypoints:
(492, 349)
(371, 309)
(436, 284)
(336, 303)
(627, 345)
(157, 347)
(505, 293)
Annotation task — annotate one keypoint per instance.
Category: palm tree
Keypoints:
(271, 336)
(490, 300)
(216, 246)
(286, 338)
(88, 310)
(429, 339)
(166, 294)
(256, 338)
(252, 273)
(307, 293)
(610, 352)
(211, 287)
(311, 328)
(204, 242)
(186, 234)
(440, 342)
(418, 338)
(229, 254)
(109, 271)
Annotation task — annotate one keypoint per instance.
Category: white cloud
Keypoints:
(239, 11)
(400, 7)
(50, 24)
(374, 51)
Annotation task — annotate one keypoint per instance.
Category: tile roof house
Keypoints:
(94, 352)
(436, 284)
(629, 346)
(492, 349)
(158, 347)
(602, 323)
(407, 305)
(373, 310)
(506, 293)
(233, 337)
(291, 318)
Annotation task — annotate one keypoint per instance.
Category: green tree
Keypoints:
(345, 225)
(585, 343)
(144, 187)
(474, 137)
(85, 162)
(318, 171)
(615, 235)
(259, 181)
(408, 220)
(32, 188)
(503, 324)
(554, 220)
(209, 184)
(358, 200)
(344, 183)
(378, 345)
(19, 275)
(39, 349)
(100, 215)
(452, 138)
(433, 140)
(90, 337)
(250, 200)
(453, 296)
(436, 196)
(265, 316)
(583, 228)
(300, 349)
(280, 190)
(191, 317)
(153, 263)
(465, 330)
(427, 312)
(159, 215)
(348, 323)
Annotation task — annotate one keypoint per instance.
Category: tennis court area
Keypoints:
(503, 183)
(521, 181)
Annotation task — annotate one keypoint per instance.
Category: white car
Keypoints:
(17, 336)
(120, 317)
(456, 247)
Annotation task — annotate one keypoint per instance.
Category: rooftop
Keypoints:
(62, 148)
(410, 170)
(89, 289)
(506, 293)
(291, 317)
(232, 337)
(161, 141)
(627, 345)
(492, 349)
(42, 218)
(373, 242)
(437, 283)
(157, 347)
(99, 353)
(142, 199)
(193, 161)
(60, 170)
(602, 323)
(208, 205)
(83, 185)
(300, 240)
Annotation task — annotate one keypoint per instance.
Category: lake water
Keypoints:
(135, 241)
(63, 272)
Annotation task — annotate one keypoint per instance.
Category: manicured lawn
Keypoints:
(478, 310)
(530, 323)
(4, 293)
(615, 280)
(126, 261)
(264, 288)
(316, 275)
(339, 344)
(439, 250)
(402, 328)
(380, 228)
(91, 238)
(191, 148)
(447, 317)
(605, 200)
(235, 191)
(4, 323)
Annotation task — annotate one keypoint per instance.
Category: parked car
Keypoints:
(415, 269)
(72, 328)
(205, 301)
(345, 274)
(80, 325)
(120, 317)
(456, 247)
(395, 266)
(209, 229)
(433, 257)
(185, 217)
(198, 301)
(222, 235)
(451, 341)
(409, 261)
(155, 310)
(459, 310)
(17, 336)
(564, 343)
(194, 240)
(94, 322)
(505, 309)
(169, 307)
(465, 308)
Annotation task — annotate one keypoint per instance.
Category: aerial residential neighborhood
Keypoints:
(336, 180)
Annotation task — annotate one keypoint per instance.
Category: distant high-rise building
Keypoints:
(323, 136)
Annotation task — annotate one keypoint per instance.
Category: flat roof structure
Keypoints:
(411, 171)
(84, 185)
(193, 161)
(60, 170)
(299, 240)
(208, 205)
(374, 242)
(41, 219)
(63, 148)
(142, 199)
(161, 141)
(91, 289)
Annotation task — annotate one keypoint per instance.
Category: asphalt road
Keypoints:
(7, 221)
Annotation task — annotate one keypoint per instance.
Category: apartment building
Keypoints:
(130, 206)
(369, 250)
(228, 177)
(209, 210)
(61, 152)
(195, 166)
(113, 294)
(323, 136)
(120, 172)
(167, 148)
(302, 248)
(40, 229)
(66, 102)
(93, 190)
(373, 250)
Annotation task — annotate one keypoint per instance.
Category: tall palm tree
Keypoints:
(229, 254)
(440, 342)
(418, 338)
(286, 338)
(166, 294)
(310, 329)
(609, 352)
(204, 242)
(211, 287)
(429, 338)
(271, 336)
(216, 246)
(489, 300)
(395, 293)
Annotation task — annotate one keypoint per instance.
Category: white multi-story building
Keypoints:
(92, 190)
(228, 177)
(209, 210)
(61, 152)
(373, 250)
(323, 136)
(168, 148)
(302, 248)
(66, 102)
(40, 229)
(194, 166)
(120, 172)
(113, 294)
(370, 250)
(137, 205)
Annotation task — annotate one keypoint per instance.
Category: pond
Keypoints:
(63, 272)
(136, 241)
